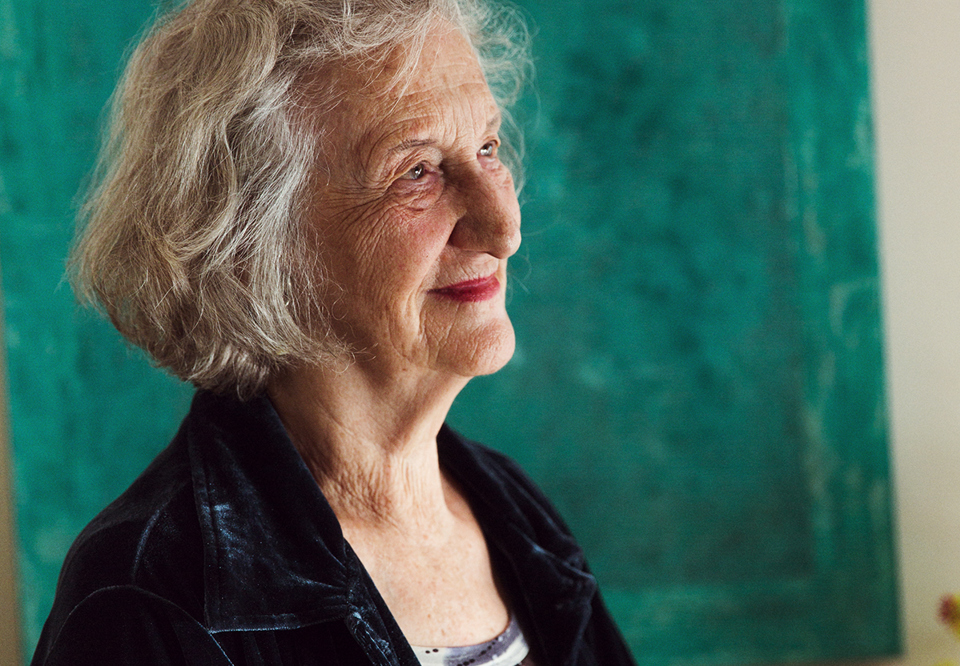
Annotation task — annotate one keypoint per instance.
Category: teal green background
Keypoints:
(698, 380)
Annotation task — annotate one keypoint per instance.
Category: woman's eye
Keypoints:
(488, 149)
(416, 173)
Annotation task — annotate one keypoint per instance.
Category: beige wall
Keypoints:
(916, 86)
(916, 79)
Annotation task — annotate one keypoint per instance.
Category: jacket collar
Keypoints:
(551, 578)
(275, 556)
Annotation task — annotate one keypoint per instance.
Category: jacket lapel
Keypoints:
(548, 571)
(273, 549)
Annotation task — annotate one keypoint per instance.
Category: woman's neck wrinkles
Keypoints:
(371, 448)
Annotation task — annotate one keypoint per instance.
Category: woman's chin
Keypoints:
(484, 352)
(498, 359)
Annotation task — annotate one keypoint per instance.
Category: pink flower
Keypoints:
(950, 612)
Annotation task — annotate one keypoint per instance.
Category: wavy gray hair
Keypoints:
(193, 242)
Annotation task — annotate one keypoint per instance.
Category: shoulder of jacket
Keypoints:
(130, 625)
(512, 484)
(148, 537)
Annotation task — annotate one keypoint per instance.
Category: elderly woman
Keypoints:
(305, 211)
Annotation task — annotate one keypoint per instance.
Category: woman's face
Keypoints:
(417, 217)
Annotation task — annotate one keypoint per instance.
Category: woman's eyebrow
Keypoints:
(493, 125)
(412, 143)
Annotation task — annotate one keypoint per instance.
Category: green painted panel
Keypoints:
(87, 412)
(698, 381)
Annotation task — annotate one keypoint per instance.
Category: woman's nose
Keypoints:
(490, 218)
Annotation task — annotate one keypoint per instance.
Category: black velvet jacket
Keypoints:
(225, 551)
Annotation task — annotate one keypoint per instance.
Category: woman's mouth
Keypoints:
(471, 291)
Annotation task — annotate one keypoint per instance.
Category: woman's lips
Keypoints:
(471, 291)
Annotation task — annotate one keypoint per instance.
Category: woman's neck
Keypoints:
(370, 445)
(372, 449)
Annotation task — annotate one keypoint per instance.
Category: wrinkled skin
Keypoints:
(416, 200)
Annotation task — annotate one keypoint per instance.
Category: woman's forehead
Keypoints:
(443, 61)
(445, 89)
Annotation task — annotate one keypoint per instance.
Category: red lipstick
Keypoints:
(471, 291)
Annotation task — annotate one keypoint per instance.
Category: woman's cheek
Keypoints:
(425, 210)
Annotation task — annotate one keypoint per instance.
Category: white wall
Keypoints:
(916, 89)
(916, 84)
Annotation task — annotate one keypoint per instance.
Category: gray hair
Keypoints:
(193, 242)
